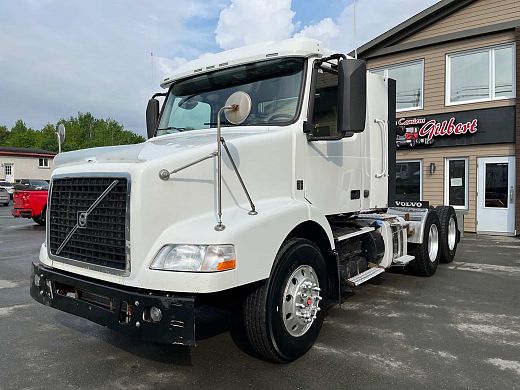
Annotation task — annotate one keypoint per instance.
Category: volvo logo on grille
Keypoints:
(82, 219)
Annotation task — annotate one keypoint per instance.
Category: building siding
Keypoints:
(433, 185)
(479, 14)
(26, 167)
(435, 72)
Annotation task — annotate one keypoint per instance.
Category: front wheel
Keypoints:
(283, 315)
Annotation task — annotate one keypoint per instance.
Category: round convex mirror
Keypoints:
(61, 132)
(241, 102)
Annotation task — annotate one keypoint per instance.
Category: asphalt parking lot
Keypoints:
(459, 329)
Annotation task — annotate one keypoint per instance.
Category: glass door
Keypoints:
(496, 195)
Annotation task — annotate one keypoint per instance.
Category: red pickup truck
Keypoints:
(30, 200)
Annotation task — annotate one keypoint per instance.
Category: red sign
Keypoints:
(433, 128)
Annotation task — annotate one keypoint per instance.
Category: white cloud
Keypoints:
(324, 30)
(246, 22)
(373, 17)
(60, 57)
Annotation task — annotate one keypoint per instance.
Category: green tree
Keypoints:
(82, 131)
(22, 136)
(4, 133)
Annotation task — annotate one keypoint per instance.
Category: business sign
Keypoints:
(487, 126)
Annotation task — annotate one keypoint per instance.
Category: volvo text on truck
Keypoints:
(268, 176)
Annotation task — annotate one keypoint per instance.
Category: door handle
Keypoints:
(512, 194)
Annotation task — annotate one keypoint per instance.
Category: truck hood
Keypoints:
(154, 148)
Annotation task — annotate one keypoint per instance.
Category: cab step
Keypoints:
(346, 233)
(364, 276)
(403, 260)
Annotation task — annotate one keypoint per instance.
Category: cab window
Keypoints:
(325, 113)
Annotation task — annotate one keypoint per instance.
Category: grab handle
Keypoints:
(382, 125)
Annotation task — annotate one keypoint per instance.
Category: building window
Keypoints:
(456, 182)
(409, 84)
(408, 180)
(43, 163)
(480, 75)
(8, 170)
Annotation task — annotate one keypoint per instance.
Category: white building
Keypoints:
(25, 163)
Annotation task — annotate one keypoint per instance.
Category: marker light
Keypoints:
(195, 258)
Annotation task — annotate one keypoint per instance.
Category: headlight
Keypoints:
(195, 258)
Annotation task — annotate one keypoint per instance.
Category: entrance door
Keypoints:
(496, 195)
(9, 173)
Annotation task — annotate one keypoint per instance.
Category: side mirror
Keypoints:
(152, 117)
(60, 133)
(352, 95)
(240, 103)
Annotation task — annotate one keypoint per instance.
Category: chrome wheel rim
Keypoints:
(452, 234)
(301, 300)
(433, 243)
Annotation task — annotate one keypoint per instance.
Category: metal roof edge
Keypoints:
(474, 32)
(412, 25)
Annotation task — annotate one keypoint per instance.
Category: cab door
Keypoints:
(332, 164)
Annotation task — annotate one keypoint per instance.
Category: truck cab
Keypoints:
(268, 175)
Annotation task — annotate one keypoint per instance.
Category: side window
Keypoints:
(190, 114)
(325, 113)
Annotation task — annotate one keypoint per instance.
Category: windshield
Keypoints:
(274, 86)
(39, 183)
(5, 184)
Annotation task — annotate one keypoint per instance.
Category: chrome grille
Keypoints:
(101, 241)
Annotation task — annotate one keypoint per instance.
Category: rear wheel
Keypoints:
(449, 233)
(282, 315)
(428, 253)
(40, 219)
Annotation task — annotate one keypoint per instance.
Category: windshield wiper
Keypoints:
(215, 123)
(174, 128)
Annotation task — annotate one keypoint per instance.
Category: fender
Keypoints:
(257, 240)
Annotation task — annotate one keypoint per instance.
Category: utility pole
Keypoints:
(355, 40)
(151, 63)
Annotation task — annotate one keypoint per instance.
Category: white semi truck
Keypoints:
(268, 177)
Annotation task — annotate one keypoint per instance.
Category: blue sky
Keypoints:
(60, 57)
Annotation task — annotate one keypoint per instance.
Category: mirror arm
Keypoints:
(165, 174)
(159, 94)
(253, 209)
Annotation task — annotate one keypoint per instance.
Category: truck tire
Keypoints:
(449, 235)
(40, 219)
(282, 314)
(428, 253)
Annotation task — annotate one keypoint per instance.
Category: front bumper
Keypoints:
(24, 213)
(116, 307)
